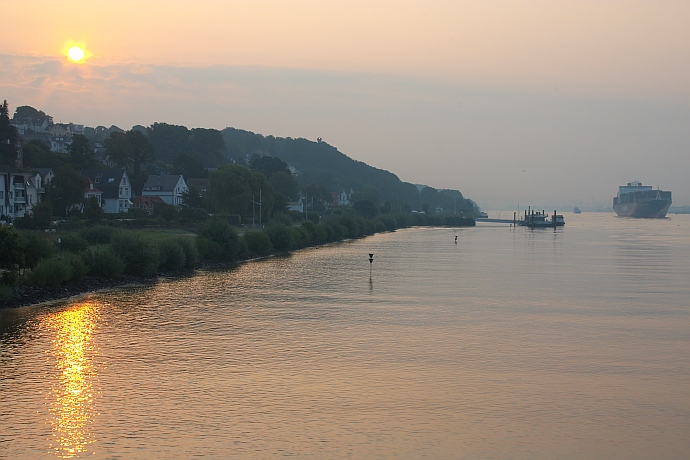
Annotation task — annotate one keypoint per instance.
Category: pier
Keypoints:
(495, 221)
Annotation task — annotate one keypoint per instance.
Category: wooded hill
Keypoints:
(321, 164)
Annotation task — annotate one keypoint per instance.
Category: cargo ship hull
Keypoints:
(637, 200)
(650, 209)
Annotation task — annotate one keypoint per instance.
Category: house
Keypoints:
(341, 199)
(170, 188)
(296, 205)
(13, 199)
(91, 191)
(116, 190)
(200, 184)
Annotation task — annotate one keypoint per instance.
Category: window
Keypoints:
(2, 194)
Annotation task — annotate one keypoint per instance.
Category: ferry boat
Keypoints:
(536, 219)
(637, 200)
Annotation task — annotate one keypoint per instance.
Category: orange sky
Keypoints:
(613, 46)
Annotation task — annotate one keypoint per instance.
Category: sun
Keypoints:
(76, 52)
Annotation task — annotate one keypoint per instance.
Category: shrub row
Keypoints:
(109, 252)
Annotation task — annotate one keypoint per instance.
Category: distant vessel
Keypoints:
(536, 219)
(637, 200)
(577, 210)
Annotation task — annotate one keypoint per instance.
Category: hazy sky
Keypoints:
(530, 102)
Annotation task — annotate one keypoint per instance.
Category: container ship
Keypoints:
(637, 200)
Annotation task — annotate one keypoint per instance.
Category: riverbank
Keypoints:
(26, 295)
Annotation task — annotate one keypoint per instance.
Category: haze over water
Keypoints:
(519, 344)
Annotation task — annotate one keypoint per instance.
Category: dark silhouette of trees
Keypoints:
(66, 190)
(80, 152)
(130, 150)
(236, 190)
(8, 138)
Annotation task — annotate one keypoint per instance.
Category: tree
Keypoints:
(66, 190)
(130, 150)
(26, 111)
(118, 149)
(268, 165)
(11, 248)
(192, 198)
(369, 194)
(168, 141)
(430, 198)
(141, 150)
(319, 196)
(8, 138)
(366, 209)
(37, 154)
(188, 166)
(208, 146)
(235, 190)
(92, 210)
(80, 151)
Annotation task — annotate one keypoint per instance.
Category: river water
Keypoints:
(509, 344)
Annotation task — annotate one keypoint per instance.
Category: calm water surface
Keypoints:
(510, 344)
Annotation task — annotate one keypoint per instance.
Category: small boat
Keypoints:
(536, 219)
(577, 210)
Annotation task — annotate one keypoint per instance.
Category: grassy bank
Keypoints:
(40, 266)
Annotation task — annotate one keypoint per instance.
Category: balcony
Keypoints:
(19, 200)
(19, 186)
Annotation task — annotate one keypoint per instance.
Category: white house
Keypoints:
(12, 192)
(170, 188)
(115, 188)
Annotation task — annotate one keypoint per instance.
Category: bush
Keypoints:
(73, 243)
(140, 257)
(171, 255)
(299, 237)
(258, 242)
(191, 255)
(223, 241)
(102, 261)
(167, 212)
(101, 234)
(280, 236)
(76, 264)
(36, 248)
(6, 292)
(9, 278)
(193, 215)
(51, 272)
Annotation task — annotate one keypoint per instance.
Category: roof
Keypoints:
(151, 200)
(164, 183)
(200, 184)
(107, 180)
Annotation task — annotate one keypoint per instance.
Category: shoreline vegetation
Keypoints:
(77, 257)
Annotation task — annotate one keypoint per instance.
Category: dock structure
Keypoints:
(495, 221)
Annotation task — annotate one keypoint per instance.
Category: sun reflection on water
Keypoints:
(72, 394)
